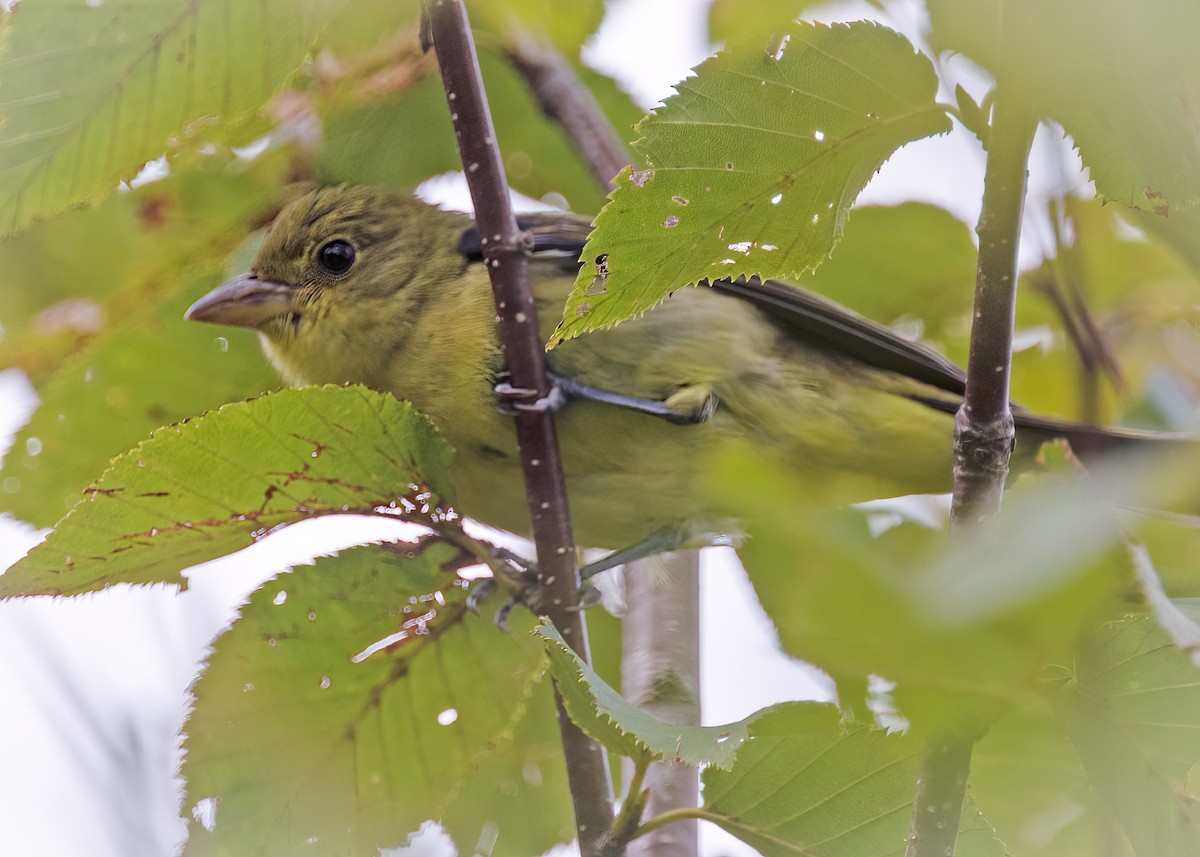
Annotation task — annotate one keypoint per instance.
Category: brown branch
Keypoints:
(983, 427)
(446, 25)
(984, 434)
(564, 98)
(941, 786)
(660, 642)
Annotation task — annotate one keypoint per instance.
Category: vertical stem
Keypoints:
(587, 764)
(983, 427)
(941, 786)
(983, 434)
(660, 673)
(660, 643)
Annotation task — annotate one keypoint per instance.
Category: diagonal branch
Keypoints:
(446, 24)
(564, 98)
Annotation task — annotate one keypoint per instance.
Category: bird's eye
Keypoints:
(336, 257)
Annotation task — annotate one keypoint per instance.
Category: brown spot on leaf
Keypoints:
(153, 210)
(641, 178)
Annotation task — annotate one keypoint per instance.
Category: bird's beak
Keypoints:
(244, 301)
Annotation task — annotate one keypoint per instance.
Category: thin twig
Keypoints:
(448, 28)
(673, 816)
(568, 102)
(634, 805)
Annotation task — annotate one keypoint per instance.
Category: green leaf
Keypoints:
(964, 627)
(909, 260)
(1027, 779)
(567, 26)
(622, 727)
(150, 369)
(1126, 87)
(1137, 294)
(90, 92)
(807, 783)
(752, 167)
(144, 366)
(125, 255)
(372, 142)
(358, 697)
(201, 489)
(752, 22)
(1135, 719)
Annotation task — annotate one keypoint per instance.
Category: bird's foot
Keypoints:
(689, 536)
(522, 585)
(514, 400)
(688, 405)
(514, 574)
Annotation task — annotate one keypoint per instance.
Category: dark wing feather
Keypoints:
(814, 319)
(817, 319)
(548, 233)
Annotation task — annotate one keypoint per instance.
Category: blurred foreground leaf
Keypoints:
(965, 628)
(1126, 87)
(566, 26)
(1027, 778)
(117, 362)
(370, 141)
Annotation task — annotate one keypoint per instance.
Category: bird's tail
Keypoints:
(1090, 442)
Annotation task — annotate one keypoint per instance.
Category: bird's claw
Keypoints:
(480, 592)
(690, 404)
(501, 617)
(517, 576)
(589, 596)
(515, 399)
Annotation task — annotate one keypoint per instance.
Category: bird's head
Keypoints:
(331, 277)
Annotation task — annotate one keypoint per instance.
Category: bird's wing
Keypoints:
(813, 318)
(548, 232)
(817, 319)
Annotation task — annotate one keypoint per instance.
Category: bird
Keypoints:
(357, 284)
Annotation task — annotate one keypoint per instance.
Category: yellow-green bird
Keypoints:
(367, 286)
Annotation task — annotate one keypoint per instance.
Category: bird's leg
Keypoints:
(511, 572)
(685, 537)
(686, 406)
(517, 576)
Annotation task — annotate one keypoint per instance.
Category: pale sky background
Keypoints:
(95, 687)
